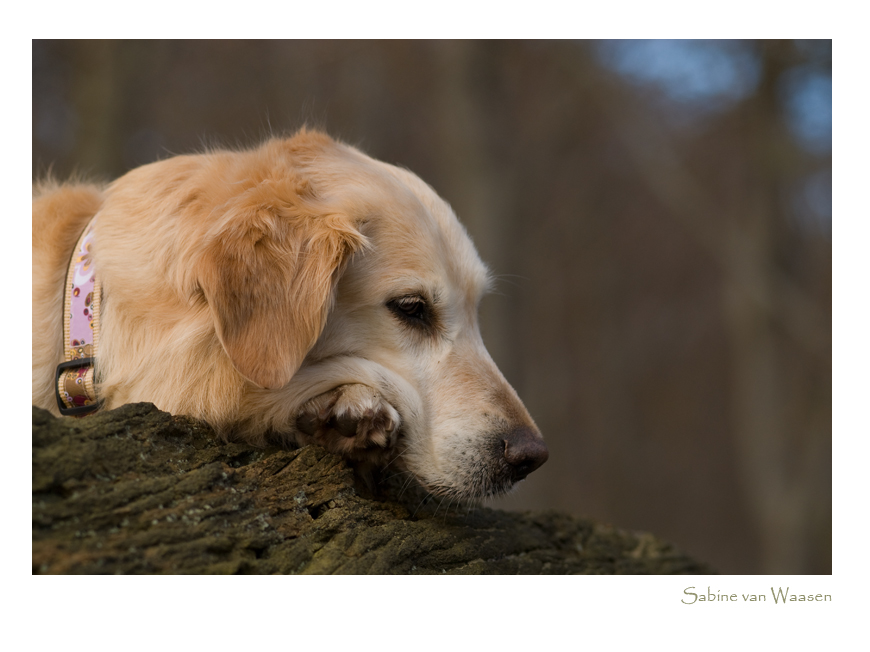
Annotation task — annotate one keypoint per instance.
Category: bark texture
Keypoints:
(137, 490)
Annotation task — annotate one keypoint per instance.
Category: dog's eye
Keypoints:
(412, 309)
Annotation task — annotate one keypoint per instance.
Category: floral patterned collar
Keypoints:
(74, 380)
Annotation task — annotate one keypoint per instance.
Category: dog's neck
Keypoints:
(74, 380)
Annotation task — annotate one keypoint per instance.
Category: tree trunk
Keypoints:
(136, 490)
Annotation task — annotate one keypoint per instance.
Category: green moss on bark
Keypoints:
(136, 490)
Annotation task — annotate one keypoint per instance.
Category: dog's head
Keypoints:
(322, 267)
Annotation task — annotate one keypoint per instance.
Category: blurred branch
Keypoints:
(97, 97)
(777, 460)
(726, 240)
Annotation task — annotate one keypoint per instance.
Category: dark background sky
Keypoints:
(658, 213)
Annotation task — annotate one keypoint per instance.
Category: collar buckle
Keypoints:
(76, 375)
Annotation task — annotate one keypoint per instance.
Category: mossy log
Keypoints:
(137, 490)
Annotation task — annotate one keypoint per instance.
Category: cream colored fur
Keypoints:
(258, 290)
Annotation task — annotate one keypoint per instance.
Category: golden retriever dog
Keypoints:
(300, 289)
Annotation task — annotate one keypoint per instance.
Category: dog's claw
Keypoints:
(348, 419)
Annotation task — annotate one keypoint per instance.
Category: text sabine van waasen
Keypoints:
(779, 596)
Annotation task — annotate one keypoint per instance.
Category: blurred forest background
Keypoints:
(658, 214)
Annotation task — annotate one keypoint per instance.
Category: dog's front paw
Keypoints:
(350, 419)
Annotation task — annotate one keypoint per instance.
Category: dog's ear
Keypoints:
(268, 270)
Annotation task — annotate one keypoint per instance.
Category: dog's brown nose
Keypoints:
(525, 451)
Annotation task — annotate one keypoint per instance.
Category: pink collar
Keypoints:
(74, 379)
